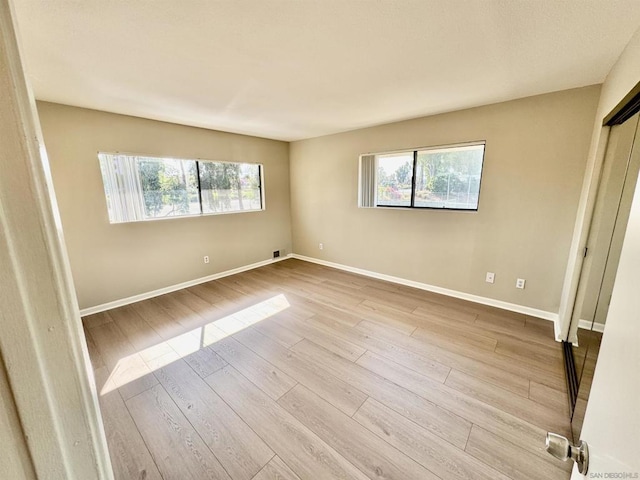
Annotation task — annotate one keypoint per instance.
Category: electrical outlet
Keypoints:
(276, 254)
(206, 259)
(490, 277)
(321, 246)
(520, 283)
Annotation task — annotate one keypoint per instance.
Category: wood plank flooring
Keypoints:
(297, 371)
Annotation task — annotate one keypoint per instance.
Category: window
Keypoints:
(439, 177)
(229, 187)
(395, 178)
(141, 188)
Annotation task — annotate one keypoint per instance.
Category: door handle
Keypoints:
(561, 448)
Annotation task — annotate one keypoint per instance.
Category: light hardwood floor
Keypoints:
(298, 371)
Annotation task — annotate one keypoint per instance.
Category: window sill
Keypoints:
(182, 217)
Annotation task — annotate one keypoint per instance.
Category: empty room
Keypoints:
(319, 239)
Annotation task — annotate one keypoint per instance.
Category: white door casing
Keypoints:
(41, 340)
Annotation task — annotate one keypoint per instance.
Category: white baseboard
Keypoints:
(586, 325)
(178, 286)
(534, 312)
(380, 276)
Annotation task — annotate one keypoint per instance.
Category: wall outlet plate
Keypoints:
(490, 278)
(520, 283)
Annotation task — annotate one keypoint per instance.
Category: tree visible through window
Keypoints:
(228, 187)
(444, 177)
(169, 187)
(395, 177)
(146, 188)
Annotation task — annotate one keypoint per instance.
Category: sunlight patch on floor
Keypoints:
(144, 362)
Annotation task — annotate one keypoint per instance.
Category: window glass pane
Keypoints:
(169, 187)
(449, 177)
(230, 187)
(394, 177)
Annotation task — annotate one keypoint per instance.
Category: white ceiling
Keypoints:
(292, 69)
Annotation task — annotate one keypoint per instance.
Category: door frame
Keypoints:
(565, 328)
(598, 238)
(42, 344)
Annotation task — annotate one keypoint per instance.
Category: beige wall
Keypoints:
(534, 164)
(623, 76)
(111, 262)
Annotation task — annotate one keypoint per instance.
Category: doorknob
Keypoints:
(561, 448)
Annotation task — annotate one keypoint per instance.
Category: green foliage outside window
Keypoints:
(444, 178)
